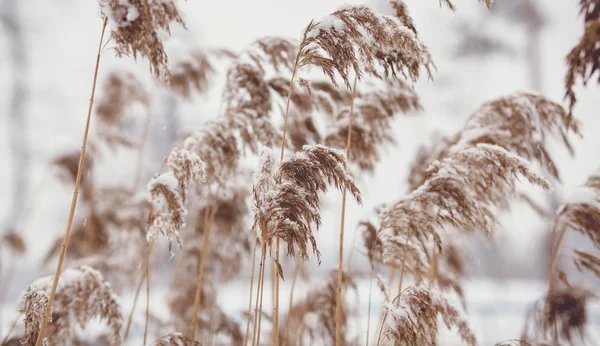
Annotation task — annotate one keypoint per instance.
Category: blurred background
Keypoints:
(47, 55)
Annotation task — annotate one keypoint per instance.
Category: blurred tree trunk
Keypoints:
(17, 124)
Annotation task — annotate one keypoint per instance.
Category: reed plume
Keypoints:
(581, 214)
(414, 321)
(168, 193)
(194, 73)
(565, 309)
(82, 295)
(108, 238)
(462, 191)
(286, 202)
(312, 319)
(371, 126)
(583, 59)
(34, 304)
(14, 242)
(520, 122)
(136, 26)
(175, 339)
(356, 38)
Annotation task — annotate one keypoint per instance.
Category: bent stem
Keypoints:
(65, 242)
(338, 309)
(251, 286)
(209, 216)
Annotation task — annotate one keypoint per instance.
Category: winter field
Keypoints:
(47, 57)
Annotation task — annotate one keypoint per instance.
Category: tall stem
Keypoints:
(208, 220)
(259, 289)
(135, 299)
(250, 298)
(338, 309)
(147, 291)
(287, 320)
(65, 242)
(276, 278)
(553, 264)
(264, 255)
(369, 309)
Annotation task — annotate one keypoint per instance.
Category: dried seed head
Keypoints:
(168, 194)
(567, 307)
(583, 59)
(120, 90)
(136, 28)
(414, 321)
(582, 214)
(175, 339)
(81, 295)
(194, 72)
(35, 301)
(320, 305)
(356, 38)
(520, 123)
(372, 122)
(286, 202)
(462, 191)
(13, 241)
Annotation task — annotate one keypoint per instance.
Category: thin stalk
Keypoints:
(65, 242)
(10, 330)
(285, 120)
(135, 299)
(250, 298)
(369, 309)
(338, 309)
(264, 255)
(258, 290)
(198, 296)
(275, 289)
(399, 293)
(287, 320)
(147, 291)
(553, 264)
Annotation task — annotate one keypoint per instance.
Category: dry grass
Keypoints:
(457, 184)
